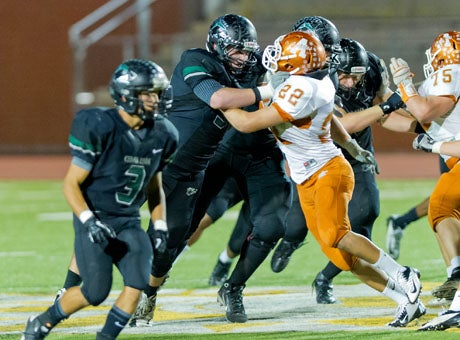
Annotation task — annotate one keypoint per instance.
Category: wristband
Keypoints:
(436, 147)
(386, 108)
(257, 94)
(85, 215)
(265, 91)
(160, 225)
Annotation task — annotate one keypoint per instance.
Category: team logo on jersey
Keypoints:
(191, 191)
(310, 163)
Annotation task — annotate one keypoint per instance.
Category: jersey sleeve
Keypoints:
(87, 136)
(198, 66)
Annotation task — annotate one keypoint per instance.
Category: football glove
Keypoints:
(426, 143)
(362, 155)
(393, 103)
(402, 78)
(159, 236)
(98, 232)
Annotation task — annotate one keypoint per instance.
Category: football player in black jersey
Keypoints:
(205, 81)
(117, 158)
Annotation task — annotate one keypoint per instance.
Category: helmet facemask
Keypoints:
(354, 62)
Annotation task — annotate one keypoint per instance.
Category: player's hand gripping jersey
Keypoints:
(305, 103)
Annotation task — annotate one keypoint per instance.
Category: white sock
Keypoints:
(449, 271)
(455, 262)
(223, 257)
(393, 292)
(455, 305)
(387, 264)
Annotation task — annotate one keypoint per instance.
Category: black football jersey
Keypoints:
(121, 160)
(361, 99)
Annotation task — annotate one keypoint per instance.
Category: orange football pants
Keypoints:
(445, 199)
(324, 200)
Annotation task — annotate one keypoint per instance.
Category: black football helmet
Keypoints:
(232, 31)
(352, 60)
(326, 31)
(133, 77)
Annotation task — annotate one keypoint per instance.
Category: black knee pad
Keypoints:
(162, 262)
(95, 295)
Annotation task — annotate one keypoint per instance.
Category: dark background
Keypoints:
(37, 68)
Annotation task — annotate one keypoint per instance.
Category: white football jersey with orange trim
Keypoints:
(306, 105)
(444, 82)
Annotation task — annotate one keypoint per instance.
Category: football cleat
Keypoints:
(143, 315)
(407, 312)
(219, 273)
(393, 237)
(409, 280)
(324, 289)
(282, 255)
(35, 330)
(445, 320)
(447, 290)
(231, 297)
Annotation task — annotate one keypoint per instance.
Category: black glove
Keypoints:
(393, 103)
(160, 240)
(159, 235)
(98, 232)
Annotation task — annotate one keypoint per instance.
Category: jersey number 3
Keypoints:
(135, 182)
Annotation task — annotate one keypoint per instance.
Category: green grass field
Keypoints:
(37, 236)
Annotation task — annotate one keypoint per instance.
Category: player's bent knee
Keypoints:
(95, 296)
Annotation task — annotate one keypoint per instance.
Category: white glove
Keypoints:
(426, 143)
(402, 78)
(361, 155)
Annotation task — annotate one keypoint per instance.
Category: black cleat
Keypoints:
(35, 330)
(324, 289)
(282, 255)
(219, 273)
(231, 297)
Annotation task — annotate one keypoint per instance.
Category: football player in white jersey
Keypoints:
(301, 118)
(435, 106)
